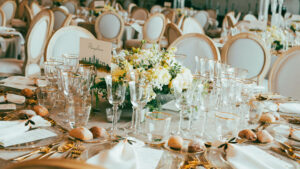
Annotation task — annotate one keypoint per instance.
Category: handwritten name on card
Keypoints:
(95, 52)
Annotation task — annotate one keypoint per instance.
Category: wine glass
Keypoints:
(71, 60)
(87, 73)
(139, 97)
(116, 95)
(51, 72)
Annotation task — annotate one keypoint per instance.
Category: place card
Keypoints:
(97, 53)
(168, 4)
(29, 136)
(8, 107)
(99, 4)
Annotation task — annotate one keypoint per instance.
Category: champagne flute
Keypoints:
(139, 96)
(116, 95)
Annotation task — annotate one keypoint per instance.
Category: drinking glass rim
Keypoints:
(227, 118)
(71, 56)
(153, 118)
(51, 63)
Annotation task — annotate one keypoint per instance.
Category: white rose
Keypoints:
(183, 80)
(163, 76)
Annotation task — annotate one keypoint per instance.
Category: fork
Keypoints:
(76, 151)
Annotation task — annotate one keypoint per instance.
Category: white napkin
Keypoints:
(284, 130)
(289, 107)
(13, 98)
(127, 156)
(250, 157)
(9, 130)
(14, 33)
(19, 80)
(170, 106)
(121, 155)
(8, 107)
(18, 86)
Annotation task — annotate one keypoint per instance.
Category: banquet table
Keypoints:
(162, 158)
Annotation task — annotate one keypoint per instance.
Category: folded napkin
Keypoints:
(289, 107)
(250, 157)
(8, 107)
(170, 106)
(19, 80)
(13, 98)
(9, 130)
(285, 131)
(127, 156)
(121, 155)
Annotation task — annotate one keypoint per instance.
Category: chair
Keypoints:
(46, 3)
(130, 7)
(35, 8)
(64, 8)
(71, 6)
(172, 32)
(9, 8)
(194, 44)
(226, 24)
(21, 9)
(247, 51)
(152, 32)
(52, 164)
(180, 21)
(66, 40)
(109, 26)
(212, 13)
(285, 73)
(119, 7)
(61, 18)
(2, 18)
(28, 15)
(155, 9)
(140, 14)
(249, 17)
(190, 25)
(169, 14)
(36, 40)
(202, 17)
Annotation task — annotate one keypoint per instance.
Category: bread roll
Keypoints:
(264, 136)
(267, 118)
(99, 132)
(175, 142)
(248, 134)
(81, 133)
(27, 92)
(40, 110)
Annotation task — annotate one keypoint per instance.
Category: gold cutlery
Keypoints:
(40, 150)
(75, 151)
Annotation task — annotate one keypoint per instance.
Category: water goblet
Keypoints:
(116, 95)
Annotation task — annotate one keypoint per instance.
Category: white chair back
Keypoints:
(9, 8)
(109, 26)
(71, 6)
(190, 25)
(249, 17)
(156, 9)
(64, 8)
(2, 18)
(284, 77)
(60, 18)
(202, 17)
(140, 14)
(247, 51)
(66, 40)
(172, 32)
(194, 44)
(154, 28)
(36, 39)
(35, 8)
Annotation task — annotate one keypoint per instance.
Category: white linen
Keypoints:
(285, 131)
(249, 157)
(10, 130)
(13, 98)
(127, 156)
(289, 107)
(121, 155)
(19, 80)
(170, 106)
(14, 33)
(8, 107)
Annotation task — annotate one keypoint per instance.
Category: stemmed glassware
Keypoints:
(116, 90)
(139, 96)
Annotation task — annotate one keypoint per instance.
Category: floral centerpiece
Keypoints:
(276, 38)
(98, 11)
(158, 67)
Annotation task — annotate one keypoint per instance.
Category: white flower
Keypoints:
(182, 81)
(162, 75)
